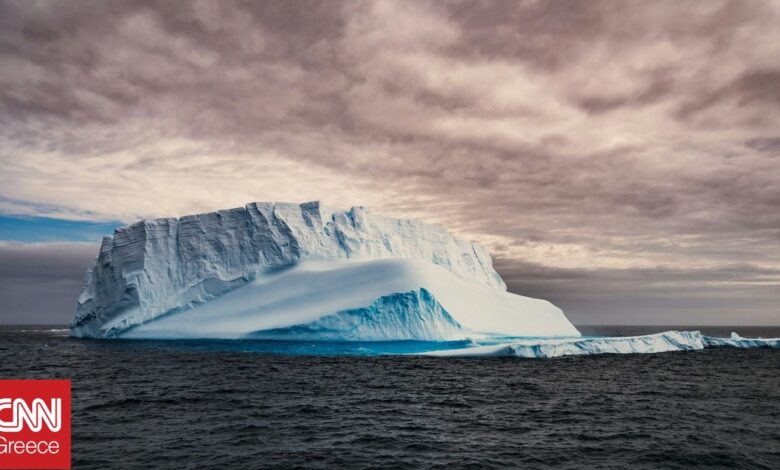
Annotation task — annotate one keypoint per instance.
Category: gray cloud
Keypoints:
(573, 135)
(660, 295)
(39, 283)
(770, 145)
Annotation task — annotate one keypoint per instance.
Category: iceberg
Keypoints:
(301, 271)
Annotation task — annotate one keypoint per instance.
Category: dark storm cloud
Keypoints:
(752, 88)
(39, 283)
(45, 261)
(605, 135)
(658, 295)
(769, 145)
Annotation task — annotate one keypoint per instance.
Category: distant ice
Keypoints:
(736, 341)
(555, 347)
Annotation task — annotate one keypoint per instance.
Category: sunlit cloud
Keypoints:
(583, 136)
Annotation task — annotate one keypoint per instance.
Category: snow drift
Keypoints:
(300, 271)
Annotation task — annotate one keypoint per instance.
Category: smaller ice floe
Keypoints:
(736, 341)
(555, 347)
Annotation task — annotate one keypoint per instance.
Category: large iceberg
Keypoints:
(290, 271)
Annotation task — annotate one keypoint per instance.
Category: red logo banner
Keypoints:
(35, 424)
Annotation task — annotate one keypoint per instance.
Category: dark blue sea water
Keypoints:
(255, 404)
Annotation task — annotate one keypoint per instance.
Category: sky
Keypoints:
(621, 159)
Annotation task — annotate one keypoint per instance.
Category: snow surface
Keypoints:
(306, 295)
(265, 266)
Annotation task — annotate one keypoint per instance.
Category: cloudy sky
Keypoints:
(619, 158)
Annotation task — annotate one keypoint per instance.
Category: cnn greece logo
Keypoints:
(34, 417)
(35, 424)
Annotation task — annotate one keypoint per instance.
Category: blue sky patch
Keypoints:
(44, 229)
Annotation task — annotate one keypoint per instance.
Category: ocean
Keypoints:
(265, 404)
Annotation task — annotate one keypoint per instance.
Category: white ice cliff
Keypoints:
(273, 270)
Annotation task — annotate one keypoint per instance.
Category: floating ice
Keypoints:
(736, 341)
(555, 347)
(306, 272)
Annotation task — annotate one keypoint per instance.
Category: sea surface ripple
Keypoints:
(146, 404)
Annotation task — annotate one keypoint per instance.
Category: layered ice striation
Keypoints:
(300, 271)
